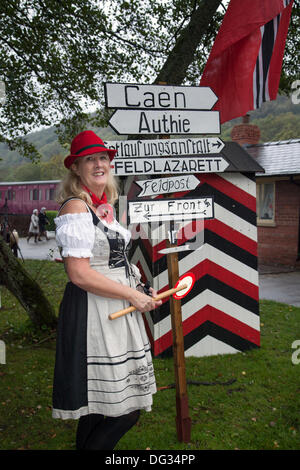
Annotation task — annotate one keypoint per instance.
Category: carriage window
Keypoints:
(35, 195)
(50, 194)
(10, 194)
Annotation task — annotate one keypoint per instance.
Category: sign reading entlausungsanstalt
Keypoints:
(165, 147)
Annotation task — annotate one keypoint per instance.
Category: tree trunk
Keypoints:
(174, 69)
(28, 292)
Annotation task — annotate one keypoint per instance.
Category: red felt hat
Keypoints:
(87, 143)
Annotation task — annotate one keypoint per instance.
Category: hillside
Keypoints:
(277, 120)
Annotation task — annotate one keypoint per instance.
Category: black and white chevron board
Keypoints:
(220, 315)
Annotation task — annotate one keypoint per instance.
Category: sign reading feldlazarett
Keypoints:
(152, 166)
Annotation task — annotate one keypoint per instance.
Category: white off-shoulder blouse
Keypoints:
(75, 234)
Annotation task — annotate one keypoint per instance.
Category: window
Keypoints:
(50, 194)
(10, 194)
(35, 195)
(265, 203)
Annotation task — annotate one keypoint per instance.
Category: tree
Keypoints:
(53, 169)
(56, 54)
(17, 280)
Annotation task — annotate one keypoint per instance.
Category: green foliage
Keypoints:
(51, 216)
(55, 57)
(277, 120)
(28, 172)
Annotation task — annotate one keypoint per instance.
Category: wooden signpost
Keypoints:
(164, 110)
(183, 421)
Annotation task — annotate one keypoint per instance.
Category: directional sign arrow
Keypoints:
(176, 216)
(135, 121)
(130, 95)
(178, 249)
(165, 147)
(167, 185)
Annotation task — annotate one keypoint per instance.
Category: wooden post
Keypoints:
(183, 421)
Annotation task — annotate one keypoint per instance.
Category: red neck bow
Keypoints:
(103, 209)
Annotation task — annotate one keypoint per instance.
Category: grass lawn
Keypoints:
(259, 409)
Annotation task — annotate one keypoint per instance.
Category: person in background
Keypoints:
(103, 372)
(34, 226)
(43, 221)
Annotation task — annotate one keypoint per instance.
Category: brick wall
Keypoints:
(279, 245)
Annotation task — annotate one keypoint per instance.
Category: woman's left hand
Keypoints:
(153, 292)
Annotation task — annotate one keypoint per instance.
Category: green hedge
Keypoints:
(51, 216)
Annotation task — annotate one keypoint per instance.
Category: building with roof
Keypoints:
(278, 196)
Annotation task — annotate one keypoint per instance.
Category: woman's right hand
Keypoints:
(143, 302)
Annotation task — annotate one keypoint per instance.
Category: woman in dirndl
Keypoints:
(103, 372)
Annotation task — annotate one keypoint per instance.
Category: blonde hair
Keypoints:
(71, 187)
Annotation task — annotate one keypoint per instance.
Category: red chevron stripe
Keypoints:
(215, 316)
(214, 225)
(224, 231)
(230, 190)
(224, 186)
(232, 235)
(156, 255)
(143, 276)
(224, 275)
(221, 319)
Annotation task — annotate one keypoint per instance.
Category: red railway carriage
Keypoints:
(21, 197)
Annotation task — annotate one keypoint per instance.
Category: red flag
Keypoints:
(244, 65)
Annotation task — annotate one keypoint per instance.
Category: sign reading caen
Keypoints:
(137, 96)
(157, 109)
